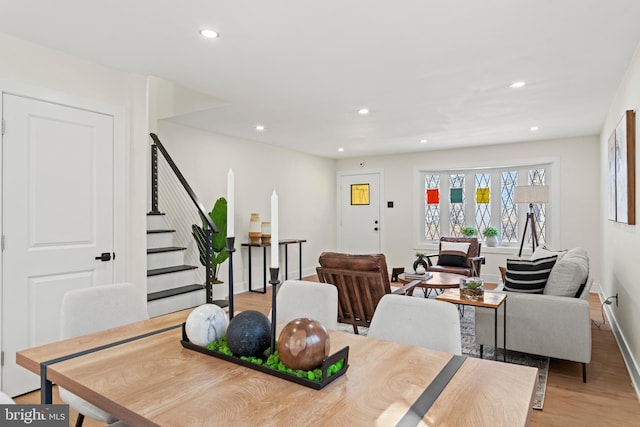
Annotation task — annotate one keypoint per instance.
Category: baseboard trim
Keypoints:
(627, 356)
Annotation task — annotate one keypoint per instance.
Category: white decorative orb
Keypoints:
(206, 323)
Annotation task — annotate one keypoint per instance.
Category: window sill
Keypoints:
(432, 248)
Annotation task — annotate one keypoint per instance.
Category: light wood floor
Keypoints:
(607, 399)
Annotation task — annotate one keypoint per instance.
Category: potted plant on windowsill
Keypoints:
(469, 231)
(491, 236)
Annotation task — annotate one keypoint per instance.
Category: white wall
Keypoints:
(54, 75)
(621, 249)
(578, 210)
(305, 185)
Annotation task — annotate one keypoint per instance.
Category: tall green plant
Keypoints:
(219, 254)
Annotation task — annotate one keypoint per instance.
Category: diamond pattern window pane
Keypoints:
(432, 211)
(508, 209)
(483, 210)
(456, 210)
(537, 177)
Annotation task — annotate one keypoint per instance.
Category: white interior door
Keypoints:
(360, 225)
(57, 217)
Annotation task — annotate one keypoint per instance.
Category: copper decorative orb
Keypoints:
(249, 333)
(303, 344)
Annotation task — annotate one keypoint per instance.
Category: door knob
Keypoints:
(375, 222)
(104, 256)
(376, 229)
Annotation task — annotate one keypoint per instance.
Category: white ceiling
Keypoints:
(434, 69)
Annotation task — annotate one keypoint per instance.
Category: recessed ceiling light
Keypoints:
(341, 149)
(363, 111)
(423, 141)
(259, 128)
(534, 128)
(210, 34)
(518, 84)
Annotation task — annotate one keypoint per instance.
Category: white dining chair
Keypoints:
(94, 309)
(417, 321)
(299, 298)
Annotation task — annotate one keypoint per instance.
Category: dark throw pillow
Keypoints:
(453, 254)
(528, 276)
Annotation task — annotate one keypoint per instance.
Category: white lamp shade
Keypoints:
(531, 194)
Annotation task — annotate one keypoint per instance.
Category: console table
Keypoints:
(285, 243)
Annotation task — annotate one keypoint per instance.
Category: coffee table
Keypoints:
(437, 281)
(491, 300)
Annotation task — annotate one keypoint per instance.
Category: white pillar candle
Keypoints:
(230, 201)
(274, 230)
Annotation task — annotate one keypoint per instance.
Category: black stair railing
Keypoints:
(205, 238)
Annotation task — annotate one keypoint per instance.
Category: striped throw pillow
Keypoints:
(528, 276)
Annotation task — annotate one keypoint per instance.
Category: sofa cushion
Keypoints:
(544, 252)
(528, 276)
(568, 274)
(453, 254)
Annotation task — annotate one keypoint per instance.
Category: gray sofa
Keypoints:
(555, 323)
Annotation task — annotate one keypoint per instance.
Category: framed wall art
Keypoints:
(359, 194)
(611, 149)
(622, 171)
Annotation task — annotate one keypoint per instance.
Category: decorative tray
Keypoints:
(328, 361)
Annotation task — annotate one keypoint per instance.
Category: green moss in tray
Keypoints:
(273, 361)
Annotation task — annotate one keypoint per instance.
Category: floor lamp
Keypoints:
(531, 194)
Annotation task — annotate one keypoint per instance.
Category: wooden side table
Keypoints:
(490, 300)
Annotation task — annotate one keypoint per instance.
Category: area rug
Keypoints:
(470, 348)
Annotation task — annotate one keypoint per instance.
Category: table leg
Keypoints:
(249, 251)
(46, 387)
(264, 270)
(504, 330)
(495, 333)
(286, 262)
(300, 260)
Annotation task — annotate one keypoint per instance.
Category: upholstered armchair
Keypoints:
(459, 255)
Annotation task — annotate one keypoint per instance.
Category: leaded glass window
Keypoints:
(508, 208)
(483, 198)
(432, 207)
(483, 201)
(537, 177)
(456, 205)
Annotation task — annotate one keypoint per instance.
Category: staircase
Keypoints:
(175, 277)
(171, 284)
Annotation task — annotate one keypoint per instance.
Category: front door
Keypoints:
(57, 217)
(360, 224)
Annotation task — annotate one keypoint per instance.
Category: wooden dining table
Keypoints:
(141, 374)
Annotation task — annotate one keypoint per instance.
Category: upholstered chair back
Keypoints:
(361, 280)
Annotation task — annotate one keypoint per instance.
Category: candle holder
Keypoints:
(275, 272)
(231, 249)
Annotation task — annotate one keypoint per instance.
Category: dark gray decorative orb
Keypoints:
(249, 333)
